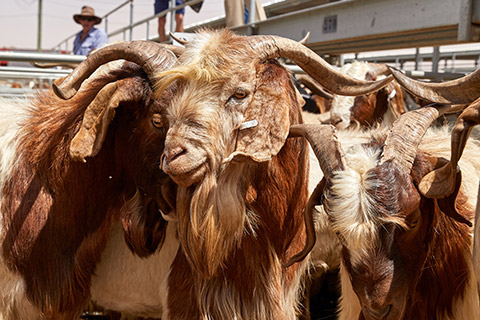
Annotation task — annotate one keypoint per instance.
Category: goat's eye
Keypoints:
(240, 93)
(157, 121)
(412, 224)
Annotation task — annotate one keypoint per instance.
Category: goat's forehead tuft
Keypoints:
(217, 53)
(356, 69)
(354, 203)
(211, 57)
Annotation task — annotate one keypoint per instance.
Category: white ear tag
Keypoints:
(392, 94)
(248, 124)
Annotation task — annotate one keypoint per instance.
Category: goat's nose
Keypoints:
(172, 153)
(379, 312)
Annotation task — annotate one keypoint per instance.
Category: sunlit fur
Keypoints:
(238, 221)
(209, 234)
(353, 217)
(207, 62)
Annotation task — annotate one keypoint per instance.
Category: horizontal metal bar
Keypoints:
(457, 55)
(117, 8)
(36, 70)
(31, 75)
(4, 91)
(40, 57)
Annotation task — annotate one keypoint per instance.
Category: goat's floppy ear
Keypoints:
(143, 225)
(98, 115)
(267, 121)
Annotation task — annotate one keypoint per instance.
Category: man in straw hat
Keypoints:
(89, 38)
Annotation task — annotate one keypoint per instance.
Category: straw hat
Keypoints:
(87, 12)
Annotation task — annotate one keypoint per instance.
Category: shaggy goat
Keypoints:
(57, 213)
(242, 184)
(405, 255)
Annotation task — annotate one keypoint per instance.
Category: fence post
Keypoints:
(131, 20)
(172, 16)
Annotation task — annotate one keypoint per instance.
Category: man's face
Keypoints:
(87, 22)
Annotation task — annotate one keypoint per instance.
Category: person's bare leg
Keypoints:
(161, 29)
(179, 22)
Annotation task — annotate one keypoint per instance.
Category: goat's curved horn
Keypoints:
(314, 86)
(441, 182)
(407, 131)
(151, 56)
(380, 69)
(305, 39)
(464, 90)
(331, 158)
(181, 41)
(53, 65)
(269, 47)
(325, 145)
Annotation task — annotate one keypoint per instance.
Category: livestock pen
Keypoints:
(341, 32)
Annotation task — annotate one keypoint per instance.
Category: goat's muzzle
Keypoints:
(184, 165)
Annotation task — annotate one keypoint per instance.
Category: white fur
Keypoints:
(127, 283)
(325, 255)
(476, 244)
(466, 307)
(13, 302)
(350, 204)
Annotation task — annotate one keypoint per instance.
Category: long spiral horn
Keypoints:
(149, 55)
(269, 47)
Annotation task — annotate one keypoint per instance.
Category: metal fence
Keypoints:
(18, 81)
(131, 25)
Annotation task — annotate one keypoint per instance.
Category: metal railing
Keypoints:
(40, 57)
(132, 24)
(32, 77)
(147, 20)
(104, 18)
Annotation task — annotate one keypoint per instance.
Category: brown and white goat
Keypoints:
(405, 255)
(461, 91)
(57, 213)
(242, 184)
(383, 106)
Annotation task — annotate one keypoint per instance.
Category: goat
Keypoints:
(383, 106)
(241, 184)
(405, 255)
(61, 218)
(462, 91)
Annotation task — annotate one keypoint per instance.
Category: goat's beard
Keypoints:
(211, 220)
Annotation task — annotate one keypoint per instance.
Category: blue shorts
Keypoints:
(161, 5)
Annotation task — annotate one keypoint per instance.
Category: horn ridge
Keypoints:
(144, 53)
(407, 131)
(459, 91)
(269, 47)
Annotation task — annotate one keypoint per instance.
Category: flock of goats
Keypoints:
(187, 183)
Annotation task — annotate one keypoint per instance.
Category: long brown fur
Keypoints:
(242, 220)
